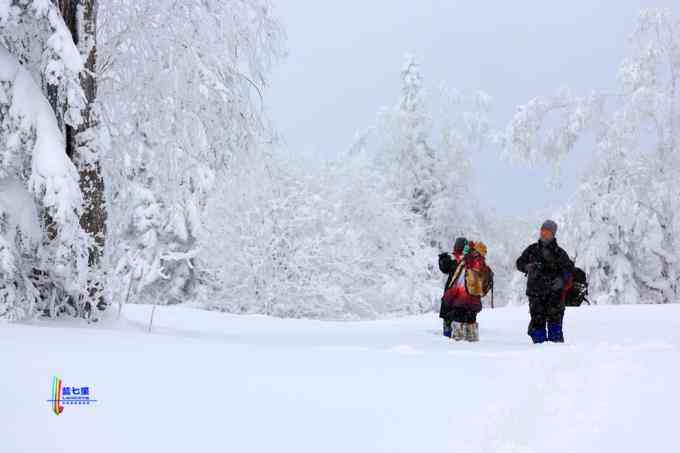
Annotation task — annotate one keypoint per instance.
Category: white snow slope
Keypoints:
(210, 382)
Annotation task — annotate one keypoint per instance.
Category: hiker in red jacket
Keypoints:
(462, 299)
(448, 263)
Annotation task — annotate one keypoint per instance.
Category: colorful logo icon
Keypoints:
(68, 395)
(57, 408)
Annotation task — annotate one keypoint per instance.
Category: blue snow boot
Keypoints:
(447, 329)
(537, 335)
(555, 333)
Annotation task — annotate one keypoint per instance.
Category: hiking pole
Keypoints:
(492, 296)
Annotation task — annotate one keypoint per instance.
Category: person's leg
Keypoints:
(555, 317)
(537, 325)
(475, 325)
(446, 323)
(446, 328)
(457, 322)
(472, 328)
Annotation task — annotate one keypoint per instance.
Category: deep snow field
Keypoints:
(210, 382)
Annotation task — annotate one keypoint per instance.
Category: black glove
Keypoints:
(531, 267)
(445, 262)
(557, 284)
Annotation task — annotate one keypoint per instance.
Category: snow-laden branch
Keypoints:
(57, 59)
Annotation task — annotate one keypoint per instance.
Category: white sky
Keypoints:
(345, 56)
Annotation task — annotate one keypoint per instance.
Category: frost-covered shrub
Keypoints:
(156, 252)
(331, 245)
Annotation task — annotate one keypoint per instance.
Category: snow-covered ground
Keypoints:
(210, 382)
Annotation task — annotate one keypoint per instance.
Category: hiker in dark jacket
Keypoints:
(548, 268)
(448, 264)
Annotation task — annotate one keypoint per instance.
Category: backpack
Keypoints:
(478, 277)
(578, 292)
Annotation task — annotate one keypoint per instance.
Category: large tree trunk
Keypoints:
(81, 142)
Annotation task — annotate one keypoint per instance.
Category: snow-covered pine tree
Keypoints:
(416, 160)
(36, 49)
(421, 150)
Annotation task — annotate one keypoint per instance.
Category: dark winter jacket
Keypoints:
(447, 265)
(547, 266)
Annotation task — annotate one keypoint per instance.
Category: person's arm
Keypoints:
(566, 265)
(445, 263)
(523, 260)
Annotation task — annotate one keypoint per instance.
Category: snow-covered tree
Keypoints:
(86, 141)
(623, 222)
(184, 83)
(462, 123)
(37, 50)
(421, 148)
(406, 149)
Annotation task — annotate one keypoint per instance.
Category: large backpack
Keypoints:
(478, 276)
(476, 279)
(578, 293)
(479, 282)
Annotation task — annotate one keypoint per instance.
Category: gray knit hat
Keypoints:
(550, 225)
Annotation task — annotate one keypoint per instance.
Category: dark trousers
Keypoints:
(545, 310)
(462, 314)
